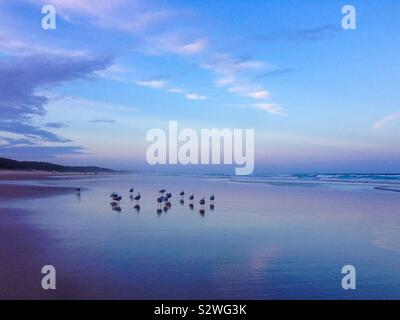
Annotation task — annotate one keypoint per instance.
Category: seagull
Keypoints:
(191, 197)
(169, 195)
(182, 193)
(138, 196)
(212, 198)
(202, 202)
(131, 190)
(117, 208)
(78, 189)
(162, 191)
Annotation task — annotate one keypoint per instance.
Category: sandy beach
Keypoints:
(259, 240)
(20, 244)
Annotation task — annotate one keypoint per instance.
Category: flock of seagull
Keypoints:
(163, 201)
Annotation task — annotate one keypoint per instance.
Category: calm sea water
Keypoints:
(265, 238)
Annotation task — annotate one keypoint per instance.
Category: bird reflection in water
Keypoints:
(137, 208)
(212, 207)
(191, 206)
(202, 212)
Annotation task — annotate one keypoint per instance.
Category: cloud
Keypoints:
(102, 120)
(55, 125)
(307, 34)
(269, 108)
(176, 90)
(233, 73)
(388, 119)
(274, 73)
(317, 33)
(178, 43)
(156, 83)
(123, 15)
(6, 141)
(23, 127)
(114, 72)
(193, 47)
(250, 92)
(228, 66)
(39, 152)
(151, 83)
(195, 96)
(14, 44)
(22, 78)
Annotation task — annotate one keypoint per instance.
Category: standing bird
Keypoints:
(212, 198)
(191, 197)
(131, 190)
(162, 191)
(182, 194)
(202, 202)
(169, 195)
(78, 189)
(137, 198)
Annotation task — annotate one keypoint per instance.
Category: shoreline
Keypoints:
(43, 175)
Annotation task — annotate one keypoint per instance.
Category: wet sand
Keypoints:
(259, 242)
(45, 175)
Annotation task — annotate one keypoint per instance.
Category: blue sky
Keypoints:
(319, 97)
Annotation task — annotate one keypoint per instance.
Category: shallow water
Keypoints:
(261, 241)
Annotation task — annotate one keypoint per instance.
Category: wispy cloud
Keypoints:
(178, 43)
(274, 73)
(156, 83)
(234, 73)
(254, 93)
(55, 125)
(195, 96)
(151, 83)
(269, 108)
(386, 120)
(176, 90)
(316, 33)
(226, 65)
(132, 16)
(101, 120)
(39, 152)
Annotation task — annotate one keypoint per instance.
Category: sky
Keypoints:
(320, 98)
